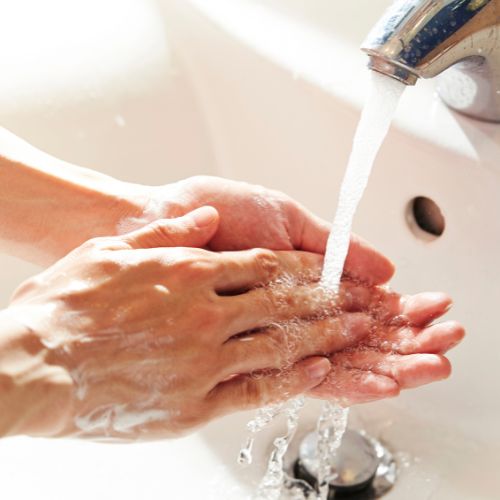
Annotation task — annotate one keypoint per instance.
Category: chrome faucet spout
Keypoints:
(459, 40)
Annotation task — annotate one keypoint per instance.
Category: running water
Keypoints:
(375, 121)
(373, 126)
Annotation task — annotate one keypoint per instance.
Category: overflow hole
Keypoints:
(426, 215)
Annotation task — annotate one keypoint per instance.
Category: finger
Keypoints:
(194, 229)
(282, 346)
(312, 234)
(381, 302)
(251, 268)
(424, 308)
(350, 386)
(366, 264)
(246, 392)
(436, 339)
(416, 310)
(363, 262)
(408, 371)
(265, 306)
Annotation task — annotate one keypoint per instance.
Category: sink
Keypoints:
(268, 92)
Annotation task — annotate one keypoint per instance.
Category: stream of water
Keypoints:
(376, 118)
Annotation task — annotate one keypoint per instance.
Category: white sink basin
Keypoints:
(269, 92)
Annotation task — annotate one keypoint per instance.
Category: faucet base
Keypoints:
(469, 88)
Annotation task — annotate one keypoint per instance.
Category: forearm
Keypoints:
(34, 395)
(48, 207)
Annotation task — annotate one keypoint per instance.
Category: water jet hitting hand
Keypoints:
(402, 351)
(140, 339)
(86, 289)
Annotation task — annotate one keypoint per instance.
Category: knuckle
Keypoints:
(196, 264)
(100, 243)
(163, 231)
(107, 264)
(266, 262)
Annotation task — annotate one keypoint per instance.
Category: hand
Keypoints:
(143, 341)
(252, 216)
(98, 205)
(402, 351)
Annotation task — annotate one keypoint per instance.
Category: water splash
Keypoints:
(262, 419)
(273, 481)
(330, 428)
(374, 124)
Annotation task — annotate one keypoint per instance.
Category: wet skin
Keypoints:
(146, 341)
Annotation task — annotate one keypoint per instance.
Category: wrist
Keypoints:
(52, 206)
(141, 204)
(35, 395)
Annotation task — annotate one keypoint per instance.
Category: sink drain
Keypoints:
(426, 218)
(363, 468)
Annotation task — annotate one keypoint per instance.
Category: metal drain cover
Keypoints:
(362, 464)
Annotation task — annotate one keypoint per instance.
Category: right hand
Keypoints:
(145, 340)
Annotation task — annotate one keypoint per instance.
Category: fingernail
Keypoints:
(319, 369)
(204, 216)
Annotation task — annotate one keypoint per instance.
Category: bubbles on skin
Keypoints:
(128, 421)
(80, 384)
(271, 486)
(384, 307)
(118, 419)
(148, 377)
(324, 302)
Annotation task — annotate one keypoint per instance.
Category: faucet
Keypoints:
(459, 40)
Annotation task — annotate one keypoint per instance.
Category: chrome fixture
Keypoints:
(457, 39)
(362, 468)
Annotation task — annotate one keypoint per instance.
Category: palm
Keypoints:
(403, 350)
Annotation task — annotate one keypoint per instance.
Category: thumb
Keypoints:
(363, 263)
(194, 229)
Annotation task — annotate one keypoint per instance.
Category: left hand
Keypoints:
(252, 216)
(404, 349)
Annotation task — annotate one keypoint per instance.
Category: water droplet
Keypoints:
(245, 456)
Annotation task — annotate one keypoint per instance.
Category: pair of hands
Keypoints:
(139, 336)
